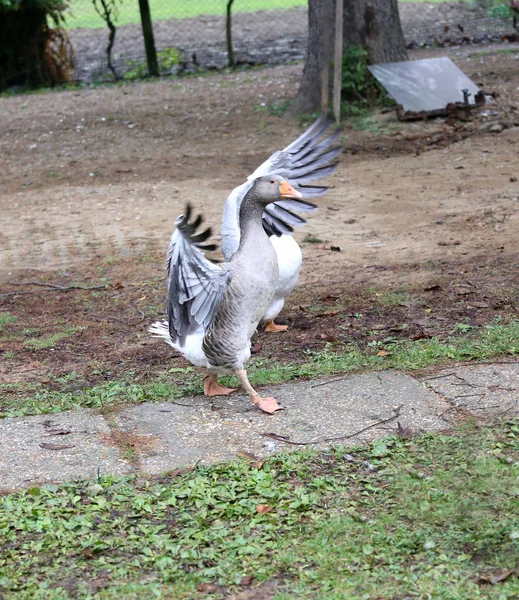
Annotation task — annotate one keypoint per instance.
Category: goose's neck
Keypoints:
(251, 226)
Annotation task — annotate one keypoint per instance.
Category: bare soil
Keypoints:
(425, 215)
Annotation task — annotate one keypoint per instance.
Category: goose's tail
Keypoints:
(192, 347)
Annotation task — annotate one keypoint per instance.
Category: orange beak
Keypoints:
(287, 191)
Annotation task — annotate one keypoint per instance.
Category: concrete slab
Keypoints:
(37, 450)
(485, 390)
(210, 430)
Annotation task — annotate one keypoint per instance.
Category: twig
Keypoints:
(54, 286)
(327, 382)
(439, 376)
(281, 438)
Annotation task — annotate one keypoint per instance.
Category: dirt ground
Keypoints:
(425, 215)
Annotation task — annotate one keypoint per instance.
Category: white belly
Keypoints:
(289, 258)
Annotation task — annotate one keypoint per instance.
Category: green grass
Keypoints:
(482, 343)
(82, 13)
(435, 516)
(50, 341)
(6, 319)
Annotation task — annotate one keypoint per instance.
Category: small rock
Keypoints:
(496, 128)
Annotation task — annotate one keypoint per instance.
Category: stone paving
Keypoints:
(153, 438)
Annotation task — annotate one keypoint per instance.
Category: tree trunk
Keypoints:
(228, 33)
(319, 51)
(149, 40)
(374, 24)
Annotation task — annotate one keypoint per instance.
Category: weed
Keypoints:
(480, 343)
(312, 239)
(391, 298)
(434, 516)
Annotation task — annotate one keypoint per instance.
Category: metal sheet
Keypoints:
(424, 85)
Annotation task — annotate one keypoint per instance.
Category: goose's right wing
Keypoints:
(195, 284)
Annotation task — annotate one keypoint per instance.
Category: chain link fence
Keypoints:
(192, 35)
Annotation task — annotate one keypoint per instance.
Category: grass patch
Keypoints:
(481, 343)
(386, 298)
(83, 14)
(502, 51)
(433, 516)
(6, 319)
(44, 343)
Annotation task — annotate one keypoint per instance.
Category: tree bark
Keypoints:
(149, 40)
(374, 24)
(228, 33)
(319, 51)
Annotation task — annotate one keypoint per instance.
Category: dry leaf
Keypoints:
(263, 509)
(209, 588)
(383, 353)
(246, 455)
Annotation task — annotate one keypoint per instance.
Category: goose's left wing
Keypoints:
(313, 156)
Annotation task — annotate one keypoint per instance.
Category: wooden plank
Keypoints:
(337, 61)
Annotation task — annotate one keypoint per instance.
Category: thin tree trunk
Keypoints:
(149, 40)
(111, 38)
(228, 33)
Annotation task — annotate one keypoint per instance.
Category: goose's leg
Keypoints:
(271, 326)
(213, 388)
(269, 405)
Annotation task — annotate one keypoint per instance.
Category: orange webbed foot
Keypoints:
(271, 326)
(268, 405)
(213, 388)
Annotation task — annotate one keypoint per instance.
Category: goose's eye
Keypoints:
(272, 181)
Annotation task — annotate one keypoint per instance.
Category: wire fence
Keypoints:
(192, 35)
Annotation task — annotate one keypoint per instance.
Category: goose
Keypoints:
(309, 158)
(213, 309)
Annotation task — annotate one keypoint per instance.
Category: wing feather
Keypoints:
(195, 284)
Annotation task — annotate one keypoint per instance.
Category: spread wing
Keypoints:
(195, 285)
(309, 158)
(313, 156)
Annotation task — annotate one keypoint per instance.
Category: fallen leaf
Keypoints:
(246, 455)
(117, 285)
(59, 431)
(177, 472)
(263, 509)
(328, 337)
(47, 446)
(404, 432)
(497, 577)
(256, 348)
(500, 576)
(478, 304)
(247, 580)
(382, 353)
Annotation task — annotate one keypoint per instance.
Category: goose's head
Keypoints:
(272, 188)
